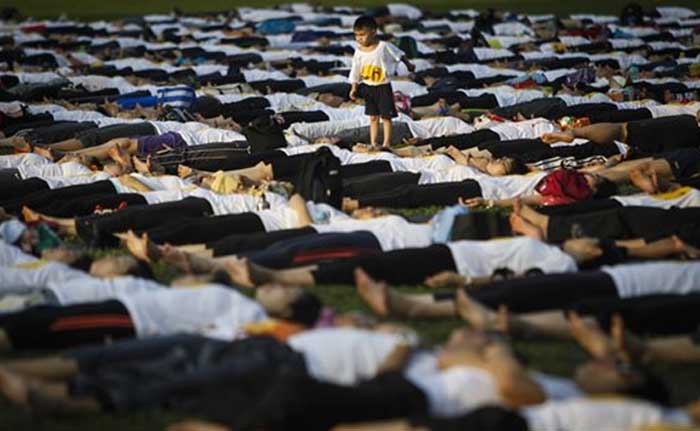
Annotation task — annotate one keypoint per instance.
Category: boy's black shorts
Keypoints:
(379, 100)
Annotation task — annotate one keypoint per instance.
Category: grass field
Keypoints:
(89, 9)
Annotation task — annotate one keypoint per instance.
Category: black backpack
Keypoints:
(264, 134)
(319, 179)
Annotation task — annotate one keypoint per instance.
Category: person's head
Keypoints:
(365, 29)
(330, 99)
(290, 303)
(367, 213)
(505, 166)
(610, 376)
(583, 249)
(601, 187)
(207, 106)
(117, 266)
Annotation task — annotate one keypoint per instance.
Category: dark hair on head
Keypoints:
(207, 106)
(141, 270)
(365, 22)
(605, 189)
(306, 309)
(82, 263)
(652, 389)
(518, 167)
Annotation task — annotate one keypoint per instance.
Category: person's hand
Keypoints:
(353, 94)
(476, 202)
(410, 66)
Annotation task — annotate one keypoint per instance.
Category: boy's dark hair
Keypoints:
(306, 309)
(605, 189)
(365, 23)
(82, 263)
(141, 270)
(518, 167)
(652, 389)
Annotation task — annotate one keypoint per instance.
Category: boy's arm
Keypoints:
(411, 67)
(353, 92)
(354, 78)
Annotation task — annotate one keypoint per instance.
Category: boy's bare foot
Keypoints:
(119, 155)
(372, 292)
(14, 388)
(685, 249)
(30, 216)
(519, 225)
(457, 155)
(554, 137)
(517, 206)
(44, 152)
(645, 179)
(142, 167)
(479, 317)
(184, 171)
(138, 246)
(590, 337)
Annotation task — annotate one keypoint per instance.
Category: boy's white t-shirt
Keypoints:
(452, 392)
(655, 278)
(610, 414)
(376, 66)
(344, 356)
(210, 310)
(12, 255)
(392, 232)
(684, 197)
(483, 258)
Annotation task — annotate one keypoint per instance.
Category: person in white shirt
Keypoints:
(470, 259)
(94, 311)
(373, 63)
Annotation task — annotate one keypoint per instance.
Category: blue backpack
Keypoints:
(275, 26)
(177, 97)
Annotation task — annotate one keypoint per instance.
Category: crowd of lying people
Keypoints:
(239, 151)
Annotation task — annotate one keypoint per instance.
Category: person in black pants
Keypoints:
(411, 195)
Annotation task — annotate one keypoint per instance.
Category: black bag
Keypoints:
(264, 134)
(480, 225)
(319, 179)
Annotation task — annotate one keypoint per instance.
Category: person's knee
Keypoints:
(374, 119)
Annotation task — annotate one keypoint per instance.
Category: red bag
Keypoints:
(564, 186)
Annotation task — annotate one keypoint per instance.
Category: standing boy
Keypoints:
(374, 61)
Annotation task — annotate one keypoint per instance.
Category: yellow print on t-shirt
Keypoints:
(674, 194)
(372, 73)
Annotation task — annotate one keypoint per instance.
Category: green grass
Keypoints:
(89, 10)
